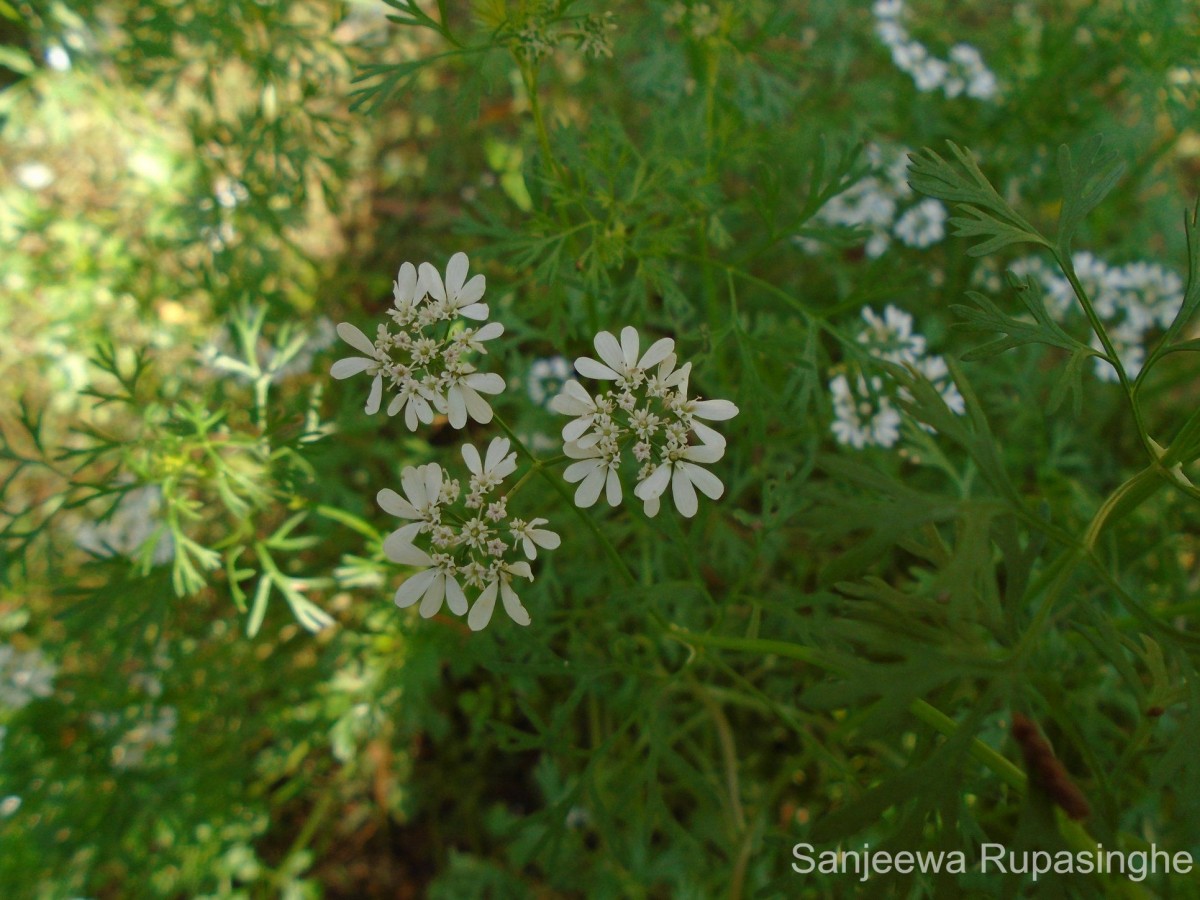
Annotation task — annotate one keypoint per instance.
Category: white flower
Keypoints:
(431, 586)
(24, 675)
(863, 417)
(423, 485)
(681, 470)
(596, 469)
(454, 296)
(575, 401)
(462, 396)
(891, 337)
(531, 537)
(372, 363)
(415, 399)
(502, 576)
(621, 362)
(547, 377)
(923, 224)
(487, 473)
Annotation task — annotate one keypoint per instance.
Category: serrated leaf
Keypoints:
(987, 214)
(1084, 186)
(988, 317)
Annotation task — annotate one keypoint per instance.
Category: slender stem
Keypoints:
(923, 710)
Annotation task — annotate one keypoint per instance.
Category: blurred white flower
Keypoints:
(546, 378)
(25, 675)
(922, 225)
(133, 522)
(863, 416)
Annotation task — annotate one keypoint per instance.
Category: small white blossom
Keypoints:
(531, 536)
(501, 583)
(682, 471)
(922, 225)
(863, 417)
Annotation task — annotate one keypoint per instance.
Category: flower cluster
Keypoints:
(864, 410)
(1132, 300)
(469, 544)
(875, 203)
(425, 360)
(648, 407)
(963, 73)
(24, 676)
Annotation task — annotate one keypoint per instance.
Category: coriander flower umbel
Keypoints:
(468, 541)
(647, 412)
(424, 363)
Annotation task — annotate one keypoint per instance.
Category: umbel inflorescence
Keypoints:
(461, 535)
(469, 535)
(424, 357)
(648, 413)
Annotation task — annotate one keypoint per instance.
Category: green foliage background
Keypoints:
(831, 653)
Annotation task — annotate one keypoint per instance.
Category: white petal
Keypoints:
(406, 282)
(457, 404)
(485, 382)
(414, 486)
(434, 596)
(612, 487)
(548, 539)
(352, 365)
(714, 410)
(496, 452)
(651, 506)
(512, 604)
(414, 588)
(577, 471)
(355, 338)
(658, 351)
(411, 414)
(683, 493)
(588, 491)
(455, 598)
(476, 311)
(398, 547)
(490, 331)
(375, 396)
(456, 273)
(472, 291)
(708, 483)
(481, 612)
(397, 404)
(393, 504)
(589, 368)
(573, 431)
(609, 351)
(430, 282)
(708, 435)
(654, 485)
(520, 568)
(629, 346)
(575, 450)
(477, 406)
(433, 480)
(566, 405)
(471, 457)
(704, 453)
